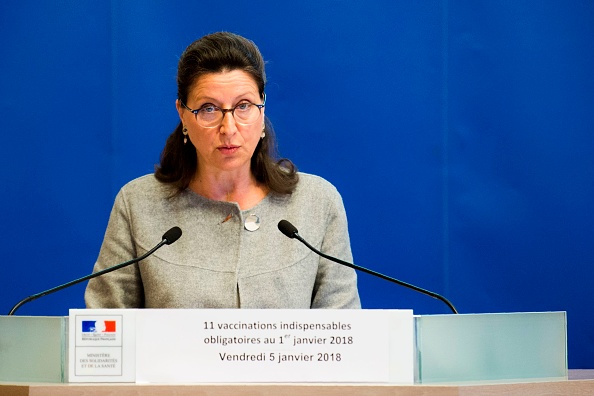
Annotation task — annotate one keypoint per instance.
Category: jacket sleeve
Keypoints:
(121, 288)
(336, 284)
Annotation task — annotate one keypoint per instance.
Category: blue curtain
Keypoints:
(458, 132)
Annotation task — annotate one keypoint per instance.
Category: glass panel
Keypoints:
(32, 349)
(491, 347)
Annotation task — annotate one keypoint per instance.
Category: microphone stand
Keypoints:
(168, 238)
(289, 230)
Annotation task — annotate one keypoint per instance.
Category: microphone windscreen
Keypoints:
(172, 235)
(287, 228)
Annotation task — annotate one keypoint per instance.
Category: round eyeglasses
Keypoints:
(211, 116)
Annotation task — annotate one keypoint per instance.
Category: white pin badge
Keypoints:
(252, 223)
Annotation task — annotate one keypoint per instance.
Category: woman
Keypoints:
(218, 180)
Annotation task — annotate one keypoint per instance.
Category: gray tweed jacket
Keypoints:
(217, 263)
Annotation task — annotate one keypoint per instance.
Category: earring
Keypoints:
(263, 133)
(185, 132)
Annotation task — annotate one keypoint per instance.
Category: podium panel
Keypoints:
(443, 349)
(491, 347)
(33, 349)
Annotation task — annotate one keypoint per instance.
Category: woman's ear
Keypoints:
(180, 110)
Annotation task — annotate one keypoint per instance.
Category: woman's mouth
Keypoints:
(228, 149)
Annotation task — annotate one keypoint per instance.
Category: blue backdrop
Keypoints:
(460, 134)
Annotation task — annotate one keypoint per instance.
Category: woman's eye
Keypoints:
(208, 109)
(243, 106)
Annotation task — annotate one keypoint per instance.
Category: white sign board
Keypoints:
(236, 345)
(102, 345)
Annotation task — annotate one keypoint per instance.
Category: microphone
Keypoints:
(291, 231)
(168, 238)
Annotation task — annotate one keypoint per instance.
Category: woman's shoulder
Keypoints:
(308, 182)
(316, 187)
(146, 186)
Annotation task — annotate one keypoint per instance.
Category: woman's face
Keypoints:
(230, 145)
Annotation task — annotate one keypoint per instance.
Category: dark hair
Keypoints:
(216, 53)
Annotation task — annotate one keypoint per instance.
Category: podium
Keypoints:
(444, 349)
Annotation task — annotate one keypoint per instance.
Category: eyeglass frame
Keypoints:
(224, 111)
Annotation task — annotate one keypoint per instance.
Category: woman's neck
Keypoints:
(243, 189)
